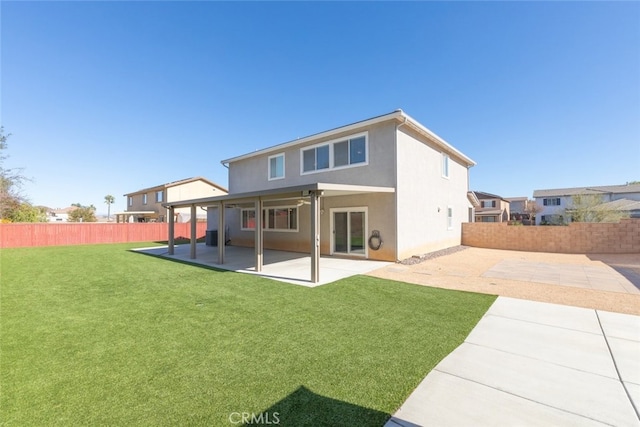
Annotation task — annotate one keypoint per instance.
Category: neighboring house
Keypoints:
(517, 207)
(59, 215)
(492, 208)
(554, 202)
(146, 205)
(385, 188)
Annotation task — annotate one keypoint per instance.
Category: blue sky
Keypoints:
(111, 97)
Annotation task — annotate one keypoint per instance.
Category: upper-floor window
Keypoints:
(276, 166)
(488, 203)
(340, 153)
(130, 201)
(449, 218)
(445, 165)
(159, 196)
(144, 199)
(551, 202)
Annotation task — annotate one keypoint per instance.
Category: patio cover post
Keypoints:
(315, 236)
(171, 231)
(192, 254)
(221, 237)
(258, 233)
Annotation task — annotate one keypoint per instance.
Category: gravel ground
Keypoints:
(462, 268)
(417, 259)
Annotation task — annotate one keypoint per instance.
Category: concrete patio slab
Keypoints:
(531, 363)
(602, 278)
(619, 325)
(289, 267)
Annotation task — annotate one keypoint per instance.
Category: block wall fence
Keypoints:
(576, 238)
(47, 234)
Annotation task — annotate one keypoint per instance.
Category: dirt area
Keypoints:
(477, 270)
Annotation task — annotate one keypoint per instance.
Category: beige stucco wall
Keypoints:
(423, 196)
(251, 174)
(379, 217)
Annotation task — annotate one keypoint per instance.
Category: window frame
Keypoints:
(445, 165)
(161, 193)
(449, 217)
(275, 156)
(144, 199)
(546, 201)
(331, 144)
(265, 219)
(130, 201)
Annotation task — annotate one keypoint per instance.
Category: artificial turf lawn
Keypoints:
(99, 335)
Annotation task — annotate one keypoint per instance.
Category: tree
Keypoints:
(14, 207)
(532, 209)
(82, 213)
(109, 199)
(591, 208)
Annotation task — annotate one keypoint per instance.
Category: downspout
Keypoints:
(395, 172)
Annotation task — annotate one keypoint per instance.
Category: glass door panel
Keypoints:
(356, 232)
(340, 232)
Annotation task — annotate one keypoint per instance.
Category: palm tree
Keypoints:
(109, 199)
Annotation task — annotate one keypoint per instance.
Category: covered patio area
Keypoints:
(309, 193)
(290, 267)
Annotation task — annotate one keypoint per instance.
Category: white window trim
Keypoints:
(130, 201)
(266, 223)
(366, 230)
(284, 169)
(445, 160)
(331, 154)
(449, 218)
(144, 199)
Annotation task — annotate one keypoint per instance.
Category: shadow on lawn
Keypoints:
(306, 408)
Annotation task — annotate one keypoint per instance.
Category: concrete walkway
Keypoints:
(532, 363)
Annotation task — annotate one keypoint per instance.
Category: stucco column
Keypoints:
(171, 231)
(221, 237)
(258, 234)
(194, 237)
(315, 237)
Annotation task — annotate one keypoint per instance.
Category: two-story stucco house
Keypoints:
(553, 203)
(492, 208)
(384, 188)
(146, 205)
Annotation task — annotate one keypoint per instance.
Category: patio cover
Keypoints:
(311, 191)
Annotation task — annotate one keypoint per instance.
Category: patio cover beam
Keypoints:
(172, 228)
(315, 235)
(258, 233)
(222, 239)
(194, 237)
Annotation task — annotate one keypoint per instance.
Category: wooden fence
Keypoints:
(51, 234)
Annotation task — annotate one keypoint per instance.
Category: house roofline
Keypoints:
(176, 183)
(397, 115)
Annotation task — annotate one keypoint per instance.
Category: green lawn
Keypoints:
(99, 335)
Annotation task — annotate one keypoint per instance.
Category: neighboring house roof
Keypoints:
(620, 205)
(175, 183)
(481, 196)
(63, 210)
(559, 192)
(401, 117)
(516, 199)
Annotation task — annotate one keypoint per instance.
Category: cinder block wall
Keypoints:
(576, 238)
